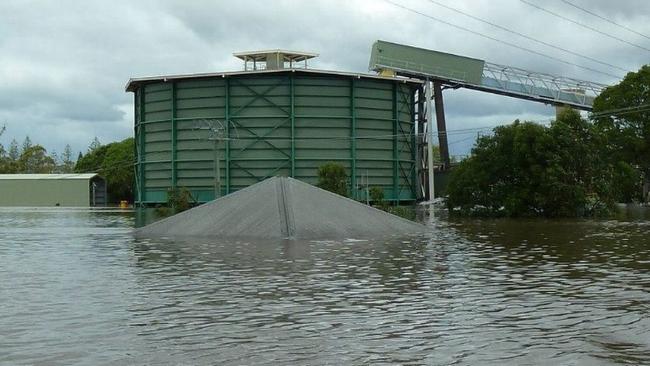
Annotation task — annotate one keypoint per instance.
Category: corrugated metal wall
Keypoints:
(45, 192)
(273, 124)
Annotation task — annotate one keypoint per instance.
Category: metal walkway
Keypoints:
(464, 72)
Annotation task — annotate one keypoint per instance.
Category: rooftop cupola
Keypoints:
(274, 59)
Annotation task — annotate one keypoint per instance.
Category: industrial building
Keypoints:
(216, 133)
(49, 190)
(274, 118)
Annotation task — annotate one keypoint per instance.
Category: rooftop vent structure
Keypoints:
(274, 59)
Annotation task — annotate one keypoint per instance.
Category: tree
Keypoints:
(94, 145)
(55, 157)
(92, 161)
(14, 153)
(526, 169)
(332, 177)
(114, 162)
(36, 160)
(117, 168)
(3, 152)
(9, 161)
(4, 160)
(27, 144)
(621, 113)
(67, 165)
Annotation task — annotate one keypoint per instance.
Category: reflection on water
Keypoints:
(77, 288)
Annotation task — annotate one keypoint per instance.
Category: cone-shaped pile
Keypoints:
(282, 207)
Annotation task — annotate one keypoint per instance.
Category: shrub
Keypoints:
(525, 169)
(401, 211)
(180, 199)
(332, 177)
(377, 195)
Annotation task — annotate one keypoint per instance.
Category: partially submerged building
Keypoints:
(48, 190)
(216, 133)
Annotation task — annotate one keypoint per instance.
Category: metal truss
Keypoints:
(516, 82)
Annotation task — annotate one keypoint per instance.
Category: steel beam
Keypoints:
(142, 192)
(353, 139)
(258, 95)
(174, 137)
(429, 92)
(227, 122)
(440, 122)
(419, 145)
(414, 150)
(136, 148)
(288, 117)
(293, 126)
(395, 137)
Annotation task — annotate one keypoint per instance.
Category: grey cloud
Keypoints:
(64, 64)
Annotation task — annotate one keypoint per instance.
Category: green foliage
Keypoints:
(622, 115)
(114, 162)
(14, 153)
(180, 199)
(332, 177)
(401, 211)
(376, 195)
(35, 160)
(27, 143)
(526, 169)
(94, 145)
(9, 160)
(117, 169)
(4, 159)
(67, 164)
(92, 162)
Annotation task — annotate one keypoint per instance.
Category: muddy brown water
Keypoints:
(77, 288)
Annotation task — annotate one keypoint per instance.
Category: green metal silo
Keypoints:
(265, 122)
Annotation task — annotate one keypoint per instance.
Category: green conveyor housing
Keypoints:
(471, 73)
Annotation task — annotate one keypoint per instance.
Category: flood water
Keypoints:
(77, 289)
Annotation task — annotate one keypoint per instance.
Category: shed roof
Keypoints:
(86, 176)
(133, 83)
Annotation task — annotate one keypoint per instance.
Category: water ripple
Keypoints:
(77, 288)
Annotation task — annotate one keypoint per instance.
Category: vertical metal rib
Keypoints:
(287, 223)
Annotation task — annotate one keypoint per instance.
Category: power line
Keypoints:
(605, 19)
(527, 37)
(584, 25)
(500, 40)
(462, 140)
(463, 131)
(616, 114)
(624, 109)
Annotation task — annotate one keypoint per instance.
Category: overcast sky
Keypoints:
(64, 64)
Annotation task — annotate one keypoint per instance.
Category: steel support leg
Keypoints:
(431, 191)
(442, 126)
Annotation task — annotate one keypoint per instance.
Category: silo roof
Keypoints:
(133, 83)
